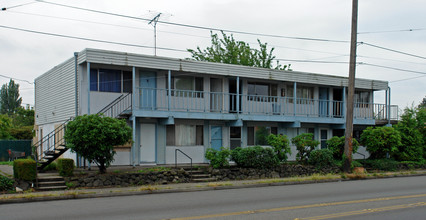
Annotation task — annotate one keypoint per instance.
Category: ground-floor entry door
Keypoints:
(216, 137)
(147, 143)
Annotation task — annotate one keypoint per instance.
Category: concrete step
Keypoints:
(211, 179)
(45, 188)
(201, 176)
(51, 183)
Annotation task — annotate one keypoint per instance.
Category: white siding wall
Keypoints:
(55, 94)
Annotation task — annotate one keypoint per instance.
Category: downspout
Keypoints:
(294, 98)
(344, 102)
(88, 88)
(238, 95)
(133, 115)
(76, 97)
(169, 89)
(389, 106)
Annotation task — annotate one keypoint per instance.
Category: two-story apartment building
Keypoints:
(178, 107)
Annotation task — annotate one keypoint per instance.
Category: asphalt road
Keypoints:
(393, 198)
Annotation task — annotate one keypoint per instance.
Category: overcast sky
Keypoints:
(383, 23)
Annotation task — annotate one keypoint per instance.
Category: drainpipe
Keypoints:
(389, 106)
(133, 115)
(385, 109)
(76, 84)
(344, 102)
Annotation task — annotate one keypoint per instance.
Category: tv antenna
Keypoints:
(153, 22)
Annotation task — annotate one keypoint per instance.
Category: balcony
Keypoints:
(184, 101)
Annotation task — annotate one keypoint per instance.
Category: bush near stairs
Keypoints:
(24, 169)
(65, 166)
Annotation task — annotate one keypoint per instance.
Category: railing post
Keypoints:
(238, 95)
(294, 98)
(169, 89)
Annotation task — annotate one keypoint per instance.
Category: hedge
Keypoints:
(24, 169)
(254, 157)
(65, 166)
(5, 183)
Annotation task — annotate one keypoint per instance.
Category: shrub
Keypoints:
(305, 144)
(5, 183)
(24, 169)
(381, 141)
(254, 157)
(321, 158)
(381, 164)
(65, 166)
(410, 127)
(337, 146)
(51, 166)
(280, 144)
(218, 158)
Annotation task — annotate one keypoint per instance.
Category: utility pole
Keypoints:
(153, 22)
(351, 90)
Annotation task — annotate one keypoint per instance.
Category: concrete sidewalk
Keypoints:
(187, 187)
(6, 170)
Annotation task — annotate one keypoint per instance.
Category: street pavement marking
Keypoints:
(364, 211)
(298, 207)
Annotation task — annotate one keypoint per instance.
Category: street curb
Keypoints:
(66, 195)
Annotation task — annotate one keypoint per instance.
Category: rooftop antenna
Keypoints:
(153, 22)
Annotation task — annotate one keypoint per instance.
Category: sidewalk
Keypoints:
(186, 187)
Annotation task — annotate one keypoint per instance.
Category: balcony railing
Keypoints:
(216, 102)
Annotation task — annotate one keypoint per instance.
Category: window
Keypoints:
(107, 80)
(187, 86)
(260, 92)
(324, 137)
(362, 97)
(184, 135)
(235, 137)
(304, 94)
(258, 135)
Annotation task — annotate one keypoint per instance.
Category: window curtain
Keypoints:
(185, 135)
(109, 80)
(93, 80)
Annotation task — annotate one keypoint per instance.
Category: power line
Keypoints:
(400, 80)
(195, 26)
(380, 58)
(395, 51)
(390, 31)
(28, 3)
(22, 80)
(392, 68)
(313, 61)
(89, 39)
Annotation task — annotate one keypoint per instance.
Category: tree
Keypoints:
(228, 50)
(9, 98)
(23, 117)
(280, 144)
(337, 146)
(381, 142)
(94, 138)
(5, 125)
(305, 144)
(423, 103)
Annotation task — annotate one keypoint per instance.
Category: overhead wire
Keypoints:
(392, 50)
(195, 26)
(400, 80)
(22, 80)
(28, 3)
(390, 31)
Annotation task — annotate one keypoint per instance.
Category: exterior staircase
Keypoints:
(53, 145)
(50, 181)
(199, 174)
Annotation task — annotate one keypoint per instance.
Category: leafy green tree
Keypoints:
(23, 117)
(337, 146)
(9, 98)
(305, 144)
(261, 135)
(423, 103)
(381, 142)
(281, 146)
(5, 125)
(228, 50)
(94, 138)
(411, 127)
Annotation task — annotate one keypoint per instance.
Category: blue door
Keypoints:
(148, 94)
(323, 102)
(216, 132)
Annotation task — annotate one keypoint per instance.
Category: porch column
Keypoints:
(386, 104)
(169, 88)
(389, 107)
(294, 97)
(238, 95)
(133, 116)
(88, 88)
(344, 102)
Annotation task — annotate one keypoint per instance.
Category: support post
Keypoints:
(351, 91)
(76, 83)
(294, 97)
(88, 88)
(169, 88)
(133, 115)
(344, 102)
(238, 95)
(389, 107)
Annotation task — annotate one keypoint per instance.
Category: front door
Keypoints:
(323, 102)
(148, 143)
(147, 84)
(216, 132)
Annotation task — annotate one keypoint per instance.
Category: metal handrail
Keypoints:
(360, 154)
(111, 103)
(176, 151)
